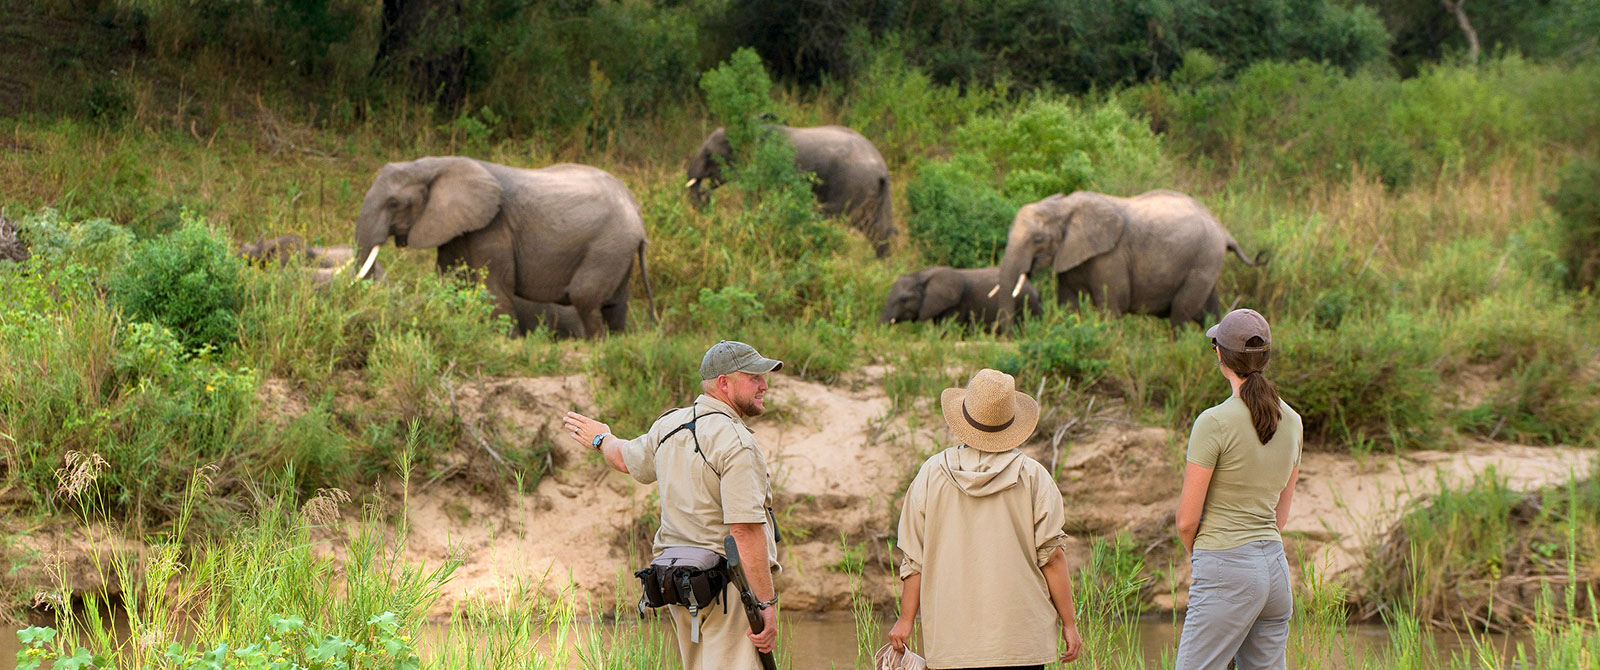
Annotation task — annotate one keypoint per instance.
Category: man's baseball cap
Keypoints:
(1236, 329)
(727, 357)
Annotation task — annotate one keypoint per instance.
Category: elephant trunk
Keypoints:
(698, 191)
(1014, 267)
(372, 230)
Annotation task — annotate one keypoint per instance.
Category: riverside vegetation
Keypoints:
(1434, 241)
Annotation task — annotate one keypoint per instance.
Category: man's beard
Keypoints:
(750, 408)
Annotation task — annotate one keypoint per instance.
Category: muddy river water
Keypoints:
(828, 642)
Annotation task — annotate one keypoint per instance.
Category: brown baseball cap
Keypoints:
(1235, 329)
(728, 357)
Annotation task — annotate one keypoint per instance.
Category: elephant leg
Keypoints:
(1194, 299)
(615, 310)
(1111, 292)
(1213, 310)
(597, 282)
(531, 315)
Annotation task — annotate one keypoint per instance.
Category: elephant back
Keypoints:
(578, 200)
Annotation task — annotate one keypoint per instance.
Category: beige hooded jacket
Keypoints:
(978, 526)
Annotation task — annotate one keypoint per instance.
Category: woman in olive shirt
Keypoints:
(1243, 460)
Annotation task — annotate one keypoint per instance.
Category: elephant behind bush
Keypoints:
(852, 177)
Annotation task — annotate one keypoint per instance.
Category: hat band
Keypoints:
(984, 426)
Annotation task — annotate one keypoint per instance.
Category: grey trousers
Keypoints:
(1240, 603)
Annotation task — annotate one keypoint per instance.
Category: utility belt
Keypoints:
(689, 577)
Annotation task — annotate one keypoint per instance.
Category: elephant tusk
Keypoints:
(1018, 289)
(994, 290)
(691, 183)
(893, 320)
(367, 266)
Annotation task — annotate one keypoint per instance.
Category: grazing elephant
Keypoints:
(324, 263)
(1157, 253)
(944, 292)
(565, 234)
(282, 250)
(852, 177)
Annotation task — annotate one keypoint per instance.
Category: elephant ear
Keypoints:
(941, 292)
(1094, 226)
(462, 197)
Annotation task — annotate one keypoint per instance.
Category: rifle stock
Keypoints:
(752, 609)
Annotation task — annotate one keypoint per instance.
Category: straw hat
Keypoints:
(990, 414)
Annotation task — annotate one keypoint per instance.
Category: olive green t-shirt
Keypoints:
(1247, 476)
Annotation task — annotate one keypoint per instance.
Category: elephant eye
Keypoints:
(393, 203)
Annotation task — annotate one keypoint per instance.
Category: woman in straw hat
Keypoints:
(1244, 458)
(981, 534)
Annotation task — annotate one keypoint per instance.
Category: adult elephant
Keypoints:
(852, 178)
(565, 234)
(1157, 253)
(944, 292)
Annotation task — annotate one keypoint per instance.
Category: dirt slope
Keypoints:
(840, 462)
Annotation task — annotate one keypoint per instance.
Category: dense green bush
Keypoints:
(1052, 147)
(957, 217)
(1305, 121)
(1070, 345)
(1577, 203)
(95, 244)
(1367, 382)
(187, 281)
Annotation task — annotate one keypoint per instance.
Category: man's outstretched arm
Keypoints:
(584, 429)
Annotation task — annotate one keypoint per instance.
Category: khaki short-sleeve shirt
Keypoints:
(702, 493)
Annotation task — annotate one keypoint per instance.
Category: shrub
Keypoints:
(636, 380)
(775, 193)
(1051, 147)
(957, 217)
(1067, 346)
(97, 244)
(187, 281)
(1577, 203)
(291, 327)
(908, 116)
(1305, 121)
(1371, 381)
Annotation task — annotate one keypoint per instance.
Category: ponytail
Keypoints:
(1259, 394)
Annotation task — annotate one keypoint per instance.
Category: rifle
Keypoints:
(752, 610)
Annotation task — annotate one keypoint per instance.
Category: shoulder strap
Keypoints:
(689, 426)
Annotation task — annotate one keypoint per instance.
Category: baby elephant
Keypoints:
(943, 292)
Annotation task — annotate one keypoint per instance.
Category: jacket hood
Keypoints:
(982, 473)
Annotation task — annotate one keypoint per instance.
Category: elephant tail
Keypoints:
(885, 217)
(1260, 260)
(649, 293)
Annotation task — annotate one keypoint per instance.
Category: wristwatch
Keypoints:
(767, 604)
(598, 439)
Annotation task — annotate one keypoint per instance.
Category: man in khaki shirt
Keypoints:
(712, 481)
